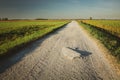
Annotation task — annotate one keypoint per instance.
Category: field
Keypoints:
(112, 26)
(16, 33)
(107, 31)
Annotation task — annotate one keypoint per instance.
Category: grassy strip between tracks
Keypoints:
(16, 34)
(111, 42)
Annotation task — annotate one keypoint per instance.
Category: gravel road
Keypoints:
(49, 59)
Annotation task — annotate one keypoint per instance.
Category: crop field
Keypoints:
(107, 31)
(15, 33)
(112, 26)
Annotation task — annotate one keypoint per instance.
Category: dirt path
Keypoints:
(45, 59)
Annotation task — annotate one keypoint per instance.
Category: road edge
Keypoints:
(15, 50)
(111, 59)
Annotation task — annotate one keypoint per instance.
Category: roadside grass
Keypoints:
(16, 33)
(110, 41)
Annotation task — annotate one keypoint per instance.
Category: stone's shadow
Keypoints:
(83, 54)
(16, 56)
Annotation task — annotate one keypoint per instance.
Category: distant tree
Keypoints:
(0, 19)
(90, 18)
(4, 19)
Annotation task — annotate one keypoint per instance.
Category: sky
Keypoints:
(60, 9)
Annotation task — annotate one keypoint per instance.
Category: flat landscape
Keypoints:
(16, 33)
(54, 58)
(59, 39)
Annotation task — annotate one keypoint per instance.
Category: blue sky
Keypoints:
(54, 9)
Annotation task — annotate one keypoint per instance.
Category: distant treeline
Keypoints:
(6, 19)
(41, 19)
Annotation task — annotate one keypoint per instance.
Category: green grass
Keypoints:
(16, 33)
(111, 42)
